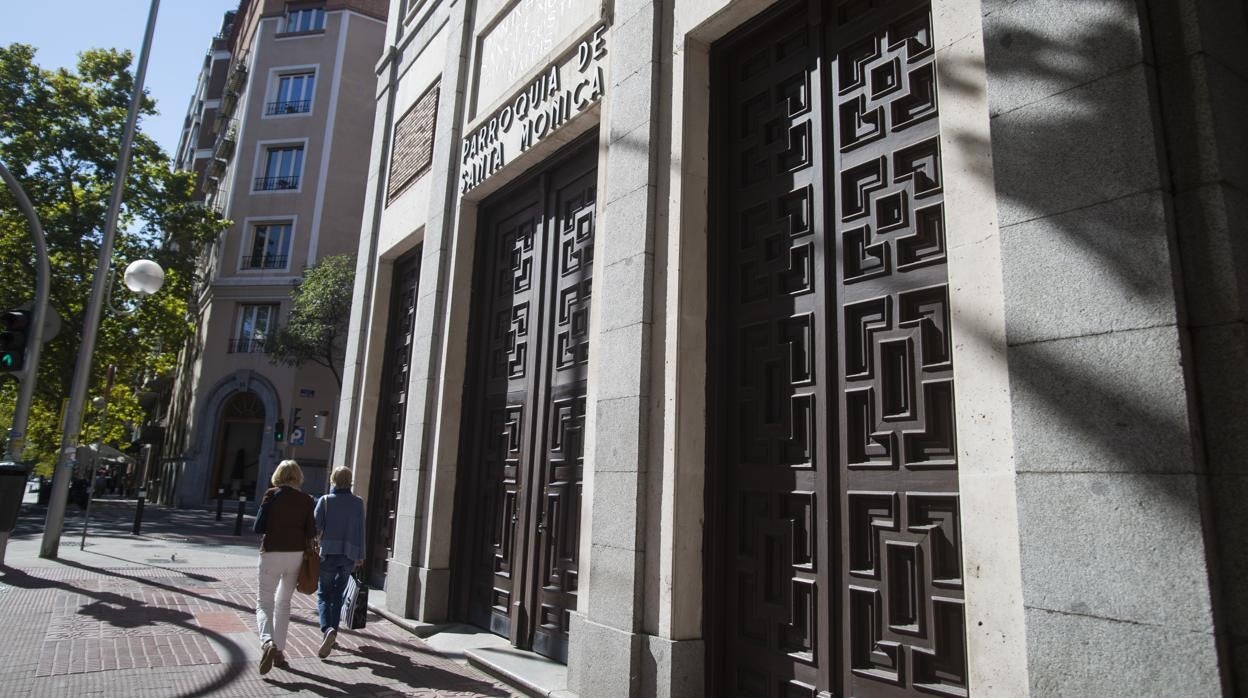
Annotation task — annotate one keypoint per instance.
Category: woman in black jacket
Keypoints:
(285, 520)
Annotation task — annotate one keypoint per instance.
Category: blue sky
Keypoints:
(184, 30)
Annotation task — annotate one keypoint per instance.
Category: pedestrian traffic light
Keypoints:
(14, 329)
(294, 418)
(279, 431)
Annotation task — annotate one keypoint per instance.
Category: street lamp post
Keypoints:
(72, 425)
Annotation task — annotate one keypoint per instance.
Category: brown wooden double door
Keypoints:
(521, 466)
(383, 494)
(833, 542)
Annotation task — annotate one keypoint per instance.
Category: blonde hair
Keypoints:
(341, 477)
(288, 472)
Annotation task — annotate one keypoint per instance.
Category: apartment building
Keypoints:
(273, 131)
(784, 348)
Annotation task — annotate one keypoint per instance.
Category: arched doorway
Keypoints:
(239, 433)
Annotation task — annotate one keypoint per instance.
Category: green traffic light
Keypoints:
(13, 337)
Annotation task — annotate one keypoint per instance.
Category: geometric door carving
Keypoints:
(392, 415)
(522, 453)
(835, 540)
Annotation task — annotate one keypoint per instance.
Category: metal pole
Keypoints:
(91, 320)
(138, 513)
(15, 440)
(99, 450)
(238, 522)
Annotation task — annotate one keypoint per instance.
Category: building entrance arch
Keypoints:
(240, 434)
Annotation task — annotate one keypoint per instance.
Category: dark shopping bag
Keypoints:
(355, 603)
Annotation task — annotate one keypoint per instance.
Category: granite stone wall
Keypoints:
(1120, 305)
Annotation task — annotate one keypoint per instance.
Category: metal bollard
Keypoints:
(220, 501)
(138, 513)
(238, 522)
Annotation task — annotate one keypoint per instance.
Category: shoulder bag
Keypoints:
(310, 570)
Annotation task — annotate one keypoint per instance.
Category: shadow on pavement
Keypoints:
(401, 668)
(189, 575)
(324, 686)
(123, 612)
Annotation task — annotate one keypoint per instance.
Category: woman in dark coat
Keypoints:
(285, 520)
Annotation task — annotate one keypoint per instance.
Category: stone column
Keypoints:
(991, 567)
(605, 649)
(357, 402)
(1116, 558)
(1200, 51)
(418, 576)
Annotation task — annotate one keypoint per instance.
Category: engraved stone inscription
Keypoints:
(562, 90)
(518, 41)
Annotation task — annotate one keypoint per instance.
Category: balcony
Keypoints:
(246, 345)
(276, 183)
(237, 77)
(226, 142)
(299, 106)
(216, 168)
(267, 261)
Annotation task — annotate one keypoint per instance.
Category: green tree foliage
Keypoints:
(316, 329)
(60, 133)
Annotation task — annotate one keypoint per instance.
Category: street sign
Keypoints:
(296, 436)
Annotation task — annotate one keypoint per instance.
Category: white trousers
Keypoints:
(278, 573)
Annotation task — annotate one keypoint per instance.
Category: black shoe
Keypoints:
(267, 656)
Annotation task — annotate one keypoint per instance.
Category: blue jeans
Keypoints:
(335, 569)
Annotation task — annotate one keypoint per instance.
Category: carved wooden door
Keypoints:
(833, 538)
(387, 466)
(525, 407)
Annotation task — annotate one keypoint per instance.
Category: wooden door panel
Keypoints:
(903, 607)
(521, 508)
(834, 539)
(570, 229)
(500, 428)
(391, 416)
(772, 368)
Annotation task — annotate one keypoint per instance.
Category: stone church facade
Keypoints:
(844, 347)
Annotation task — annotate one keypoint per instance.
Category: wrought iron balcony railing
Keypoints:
(277, 183)
(298, 106)
(246, 345)
(267, 261)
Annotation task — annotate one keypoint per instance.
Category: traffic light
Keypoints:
(279, 431)
(294, 418)
(14, 329)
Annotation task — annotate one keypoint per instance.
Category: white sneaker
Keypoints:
(327, 644)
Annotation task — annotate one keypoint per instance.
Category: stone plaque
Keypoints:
(565, 88)
(523, 37)
(413, 143)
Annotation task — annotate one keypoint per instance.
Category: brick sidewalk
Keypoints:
(129, 629)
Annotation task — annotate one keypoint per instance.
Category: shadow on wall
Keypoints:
(1114, 461)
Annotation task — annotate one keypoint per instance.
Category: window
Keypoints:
(270, 247)
(281, 168)
(254, 324)
(308, 19)
(294, 94)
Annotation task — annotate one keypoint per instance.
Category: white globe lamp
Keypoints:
(144, 277)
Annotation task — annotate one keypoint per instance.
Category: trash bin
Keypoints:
(12, 488)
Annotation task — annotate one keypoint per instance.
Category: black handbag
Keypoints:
(355, 603)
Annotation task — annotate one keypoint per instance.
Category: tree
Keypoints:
(316, 329)
(60, 133)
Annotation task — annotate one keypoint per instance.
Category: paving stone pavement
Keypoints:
(171, 613)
